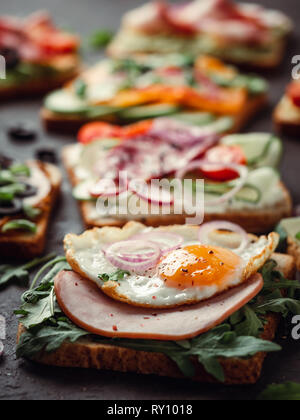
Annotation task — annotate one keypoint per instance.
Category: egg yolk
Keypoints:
(198, 266)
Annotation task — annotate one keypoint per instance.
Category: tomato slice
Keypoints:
(98, 130)
(137, 129)
(293, 92)
(223, 155)
(58, 42)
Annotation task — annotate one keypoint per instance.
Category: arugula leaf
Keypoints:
(48, 338)
(20, 273)
(208, 348)
(37, 313)
(289, 391)
(117, 276)
(100, 39)
(297, 236)
(282, 305)
(250, 324)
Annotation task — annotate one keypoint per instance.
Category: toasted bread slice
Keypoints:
(287, 117)
(253, 220)
(70, 124)
(67, 67)
(21, 245)
(90, 355)
(294, 250)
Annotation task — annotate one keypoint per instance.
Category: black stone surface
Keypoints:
(20, 379)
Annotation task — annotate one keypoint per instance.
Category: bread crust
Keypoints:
(70, 124)
(253, 221)
(68, 68)
(20, 245)
(90, 355)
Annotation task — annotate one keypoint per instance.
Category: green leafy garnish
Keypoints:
(116, 276)
(289, 391)
(48, 338)
(19, 224)
(207, 348)
(246, 322)
(80, 88)
(297, 236)
(47, 326)
(20, 273)
(101, 39)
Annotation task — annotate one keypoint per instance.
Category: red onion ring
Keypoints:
(162, 239)
(118, 254)
(181, 134)
(206, 228)
(242, 170)
(142, 190)
(108, 187)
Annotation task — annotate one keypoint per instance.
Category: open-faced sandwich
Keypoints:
(287, 112)
(38, 56)
(113, 170)
(177, 301)
(129, 90)
(290, 232)
(240, 33)
(27, 195)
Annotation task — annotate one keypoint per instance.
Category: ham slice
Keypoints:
(218, 17)
(83, 302)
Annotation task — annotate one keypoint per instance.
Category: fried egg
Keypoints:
(187, 275)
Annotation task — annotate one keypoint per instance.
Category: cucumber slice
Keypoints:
(221, 125)
(248, 194)
(292, 228)
(95, 151)
(261, 149)
(65, 102)
(195, 118)
(147, 111)
(81, 191)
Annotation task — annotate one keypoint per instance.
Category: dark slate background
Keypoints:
(24, 380)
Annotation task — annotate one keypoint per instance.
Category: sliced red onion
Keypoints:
(181, 134)
(152, 193)
(206, 228)
(240, 182)
(133, 255)
(165, 240)
(107, 187)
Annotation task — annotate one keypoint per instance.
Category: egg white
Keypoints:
(85, 255)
